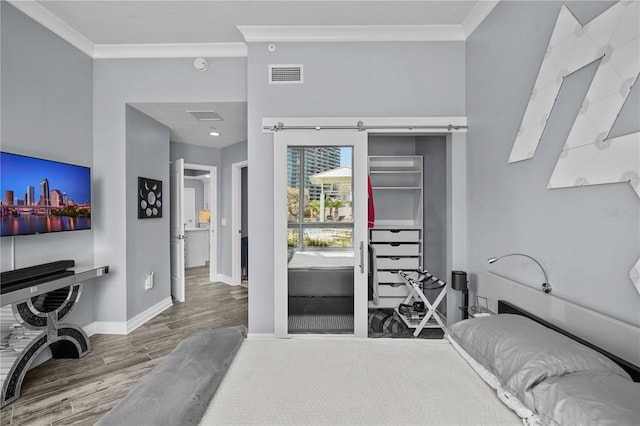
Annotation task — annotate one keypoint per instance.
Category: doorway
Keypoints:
(239, 223)
(193, 236)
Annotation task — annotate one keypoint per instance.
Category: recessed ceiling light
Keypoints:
(214, 133)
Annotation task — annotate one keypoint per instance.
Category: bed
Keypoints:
(541, 375)
(528, 371)
(545, 374)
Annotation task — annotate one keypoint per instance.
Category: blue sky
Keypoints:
(345, 156)
(17, 172)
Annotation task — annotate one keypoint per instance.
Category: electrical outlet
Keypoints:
(148, 282)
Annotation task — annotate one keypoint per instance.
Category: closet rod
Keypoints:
(361, 127)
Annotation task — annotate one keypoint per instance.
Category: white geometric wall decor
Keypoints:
(613, 36)
(589, 156)
(635, 275)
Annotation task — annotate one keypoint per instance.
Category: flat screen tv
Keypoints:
(40, 196)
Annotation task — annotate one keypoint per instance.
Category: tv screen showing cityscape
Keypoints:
(40, 196)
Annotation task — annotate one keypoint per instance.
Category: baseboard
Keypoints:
(114, 327)
(150, 313)
(261, 336)
(225, 279)
(105, 327)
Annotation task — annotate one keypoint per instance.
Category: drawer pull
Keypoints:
(394, 258)
(394, 244)
(394, 231)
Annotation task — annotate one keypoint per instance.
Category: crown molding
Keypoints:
(476, 15)
(44, 17)
(348, 33)
(257, 33)
(170, 50)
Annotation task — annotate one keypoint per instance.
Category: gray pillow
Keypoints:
(522, 353)
(588, 398)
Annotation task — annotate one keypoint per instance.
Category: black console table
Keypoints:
(31, 318)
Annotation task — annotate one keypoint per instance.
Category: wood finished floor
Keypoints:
(80, 391)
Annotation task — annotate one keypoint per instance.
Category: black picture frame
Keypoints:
(150, 198)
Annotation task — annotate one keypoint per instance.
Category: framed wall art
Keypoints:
(149, 198)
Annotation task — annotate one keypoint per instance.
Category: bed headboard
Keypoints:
(618, 337)
(505, 307)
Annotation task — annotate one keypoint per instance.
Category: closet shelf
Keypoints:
(397, 183)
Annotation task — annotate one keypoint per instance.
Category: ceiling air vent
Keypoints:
(285, 74)
(206, 115)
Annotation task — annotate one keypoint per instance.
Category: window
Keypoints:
(319, 197)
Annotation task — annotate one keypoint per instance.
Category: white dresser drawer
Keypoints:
(404, 263)
(392, 291)
(387, 302)
(389, 277)
(396, 249)
(395, 235)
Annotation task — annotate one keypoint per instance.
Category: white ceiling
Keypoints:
(184, 28)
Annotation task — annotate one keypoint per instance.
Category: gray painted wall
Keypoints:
(245, 202)
(195, 154)
(117, 82)
(147, 147)
(434, 153)
(587, 251)
(46, 102)
(340, 79)
(230, 154)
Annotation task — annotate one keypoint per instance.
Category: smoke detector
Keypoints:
(200, 64)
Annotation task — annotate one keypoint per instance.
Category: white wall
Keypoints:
(340, 79)
(588, 252)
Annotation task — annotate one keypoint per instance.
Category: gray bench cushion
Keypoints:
(178, 390)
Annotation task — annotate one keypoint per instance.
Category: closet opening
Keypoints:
(408, 175)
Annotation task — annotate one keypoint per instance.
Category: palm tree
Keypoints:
(314, 206)
(332, 203)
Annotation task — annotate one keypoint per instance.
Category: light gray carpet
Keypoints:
(347, 381)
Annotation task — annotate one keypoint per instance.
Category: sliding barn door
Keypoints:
(320, 233)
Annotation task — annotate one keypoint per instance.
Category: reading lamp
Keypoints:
(546, 287)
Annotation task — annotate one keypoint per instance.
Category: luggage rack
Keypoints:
(409, 310)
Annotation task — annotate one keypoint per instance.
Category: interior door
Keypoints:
(189, 208)
(319, 215)
(177, 229)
